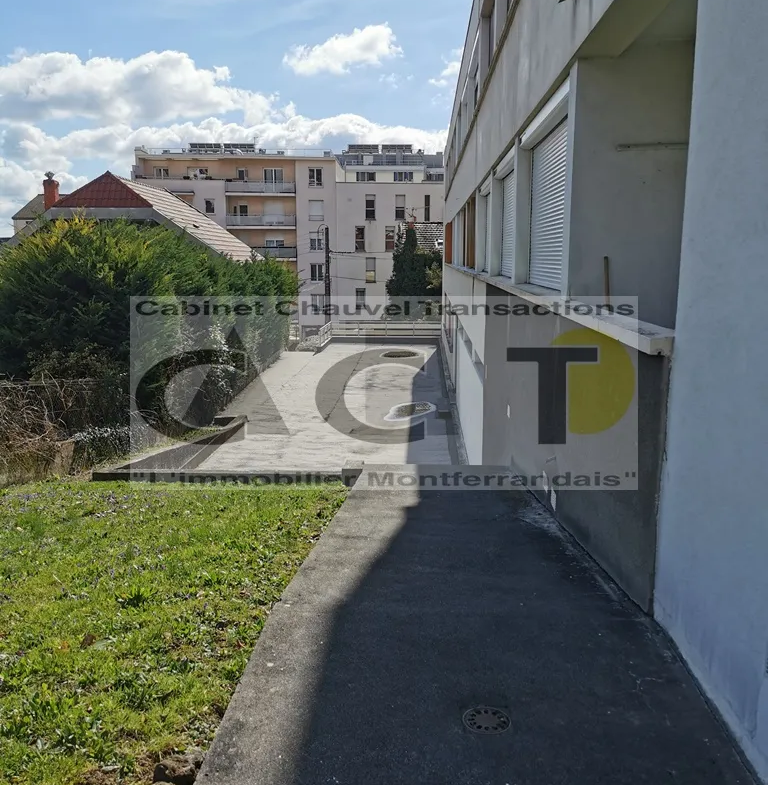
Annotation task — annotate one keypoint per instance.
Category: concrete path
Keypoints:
(299, 422)
(415, 607)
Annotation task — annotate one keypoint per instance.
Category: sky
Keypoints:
(83, 82)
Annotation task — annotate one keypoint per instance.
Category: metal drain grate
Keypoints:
(399, 354)
(408, 411)
(486, 719)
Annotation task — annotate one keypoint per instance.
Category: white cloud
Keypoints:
(450, 73)
(19, 185)
(369, 46)
(156, 86)
(165, 112)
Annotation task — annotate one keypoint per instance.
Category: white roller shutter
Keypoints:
(488, 224)
(508, 226)
(548, 209)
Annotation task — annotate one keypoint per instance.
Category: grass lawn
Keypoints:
(128, 613)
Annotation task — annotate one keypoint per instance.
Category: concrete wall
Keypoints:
(712, 588)
(617, 527)
(535, 57)
(629, 205)
(469, 397)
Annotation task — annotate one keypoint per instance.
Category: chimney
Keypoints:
(50, 191)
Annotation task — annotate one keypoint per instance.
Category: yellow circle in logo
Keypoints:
(599, 394)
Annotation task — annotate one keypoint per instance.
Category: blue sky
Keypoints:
(81, 83)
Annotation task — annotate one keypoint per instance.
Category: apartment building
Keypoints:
(279, 203)
(613, 152)
(275, 201)
(380, 189)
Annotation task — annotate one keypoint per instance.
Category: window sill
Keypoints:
(645, 337)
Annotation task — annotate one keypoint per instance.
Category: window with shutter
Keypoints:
(548, 209)
(508, 225)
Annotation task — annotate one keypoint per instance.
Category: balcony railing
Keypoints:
(236, 151)
(261, 220)
(284, 252)
(258, 187)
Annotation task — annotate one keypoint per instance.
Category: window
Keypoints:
(359, 238)
(242, 174)
(370, 270)
(315, 178)
(196, 173)
(242, 209)
(318, 303)
(403, 177)
(370, 208)
(316, 210)
(273, 175)
(162, 171)
(273, 243)
(366, 177)
(317, 272)
(317, 243)
(210, 206)
(427, 207)
(389, 238)
(400, 207)
(359, 300)
(508, 224)
(549, 173)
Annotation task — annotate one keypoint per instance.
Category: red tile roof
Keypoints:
(107, 190)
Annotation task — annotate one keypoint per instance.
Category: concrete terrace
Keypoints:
(298, 422)
(418, 606)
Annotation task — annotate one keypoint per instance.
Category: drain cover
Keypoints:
(485, 719)
(399, 354)
(406, 411)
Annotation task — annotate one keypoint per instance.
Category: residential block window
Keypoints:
(389, 238)
(273, 175)
(317, 243)
(366, 177)
(427, 207)
(400, 207)
(316, 210)
(242, 174)
(359, 300)
(370, 208)
(162, 171)
(403, 177)
(318, 303)
(273, 243)
(210, 206)
(359, 238)
(316, 177)
(316, 272)
(370, 270)
(242, 209)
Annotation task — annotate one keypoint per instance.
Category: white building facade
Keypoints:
(379, 191)
(613, 151)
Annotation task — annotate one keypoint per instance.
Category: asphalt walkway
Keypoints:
(417, 607)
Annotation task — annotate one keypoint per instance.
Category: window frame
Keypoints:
(313, 172)
(370, 212)
(358, 240)
(389, 243)
(370, 274)
(314, 216)
(211, 202)
(316, 272)
(359, 304)
(403, 208)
